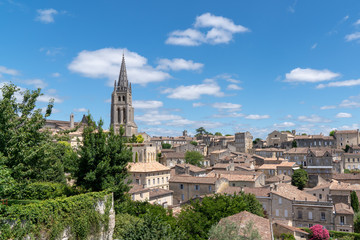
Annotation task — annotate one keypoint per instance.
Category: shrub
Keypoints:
(318, 232)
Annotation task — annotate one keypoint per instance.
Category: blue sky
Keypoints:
(228, 66)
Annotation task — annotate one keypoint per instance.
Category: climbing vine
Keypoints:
(50, 218)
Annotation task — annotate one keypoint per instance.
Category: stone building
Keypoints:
(277, 138)
(347, 137)
(190, 169)
(240, 178)
(344, 218)
(243, 141)
(189, 187)
(297, 155)
(143, 152)
(122, 111)
(158, 141)
(170, 159)
(319, 163)
(351, 161)
(269, 152)
(315, 141)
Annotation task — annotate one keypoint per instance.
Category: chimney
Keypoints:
(72, 120)
(187, 169)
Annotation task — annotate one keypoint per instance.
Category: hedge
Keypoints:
(48, 219)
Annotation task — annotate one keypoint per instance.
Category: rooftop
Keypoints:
(190, 179)
(343, 208)
(292, 193)
(192, 168)
(147, 167)
(174, 155)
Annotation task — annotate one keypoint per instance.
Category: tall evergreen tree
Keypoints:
(354, 201)
(103, 160)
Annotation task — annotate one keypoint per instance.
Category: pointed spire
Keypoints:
(123, 81)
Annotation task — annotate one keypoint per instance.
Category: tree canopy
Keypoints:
(332, 133)
(28, 151)
(103, 159)
(166, 145)
(194, 158)
(299, 178)
(218, 134)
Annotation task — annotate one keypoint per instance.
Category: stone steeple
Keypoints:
(123, 80)
(122, 112)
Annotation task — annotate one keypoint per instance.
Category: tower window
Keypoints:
(124, 98)
(119, 98)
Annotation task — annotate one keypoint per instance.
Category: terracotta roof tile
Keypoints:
(292, 193)
(190, 179)
(343, 208)
(147, 167)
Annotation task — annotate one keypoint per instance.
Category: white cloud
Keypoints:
(257, 117)
(347, 83)
(192, 92)
(289, 116)
(357, 22)
(352, 102)
(310, 75)
(234, 87)
(353, 36)
(46, 98)
(198, 104)
(53, 110)
(138, 104)
(177, 64)
(328, 107)
(80, 110)
(8, 71)
(284, 125)
(105, 63)
(38, 83)
(314, 46)
(227, 106)
(228, 115)
(343, 115)
(313, 119)
(221, 31)
(46, 15)
(56, 74)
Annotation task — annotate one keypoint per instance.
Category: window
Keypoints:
(137, 181)
(342, 220)
(196, 187)
(158, 180)
(280, 200)
(124, 98)
(149, 182)
(300, 214)
(167, 179)
(182, 197)
(162, 179)
(119, 99)
(210, 189)
(141, 195)
(154, 181)
(277, 212)
(320, 196)
(133, 197)
(286, 213)
(181, 186)
(322, 216)
(310, 217)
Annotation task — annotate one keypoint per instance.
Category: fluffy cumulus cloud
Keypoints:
(343, 115)
(352, 102)
(198, 104)
(352, 36)
(208, 28)
(80, 110)
(38, 83)
(234, 87)
(8, 71)
(310, 75)
(105, 63)
(139, 104)
(192, 92)
(227, 106)
(178, 64)
(284, 124)
(46, 15)
(328, 107)
(347, 83)
(313, 119)
(257, 117)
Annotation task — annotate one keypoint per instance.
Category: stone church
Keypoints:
(122, 111)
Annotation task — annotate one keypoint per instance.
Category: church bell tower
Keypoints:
(122, 112)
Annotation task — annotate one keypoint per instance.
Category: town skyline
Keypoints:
(227, 69)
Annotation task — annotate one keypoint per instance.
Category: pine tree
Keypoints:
(354, 201)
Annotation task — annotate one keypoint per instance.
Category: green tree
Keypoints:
(194, 158)
(299, 178)
(197, 218)
(294, 144)
(347, 148)
(201, 131)
(332, 133)
(166, 146)
(194, 143)
(218, 134)
(357, 222)
(139, 139)
(103, 160)
(6, 181)
(256, 140)
(29, 151)
(70, 157)
(230, 230)
(354, 201)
